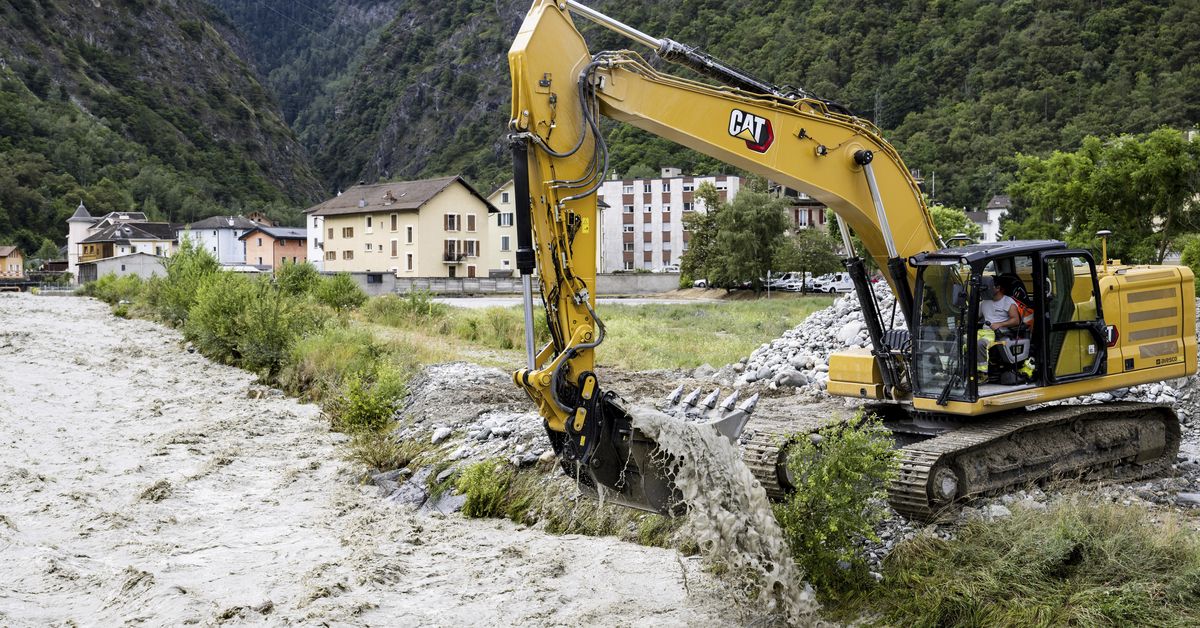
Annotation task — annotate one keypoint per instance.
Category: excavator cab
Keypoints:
(1059, 334)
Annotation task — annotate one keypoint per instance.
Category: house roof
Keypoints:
(5, 251)
(81, 215)
(126, 231)
(1000, 201)
(240, 223)
(279, 233)
(395, 195)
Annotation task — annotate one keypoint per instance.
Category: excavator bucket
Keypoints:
(627, 467)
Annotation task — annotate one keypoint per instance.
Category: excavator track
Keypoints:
(1121, 440)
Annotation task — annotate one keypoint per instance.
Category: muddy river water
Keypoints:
(140, 483)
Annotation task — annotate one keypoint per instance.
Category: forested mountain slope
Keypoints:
(134, 104)
(959, 87)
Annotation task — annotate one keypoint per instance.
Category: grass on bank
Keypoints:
(640, 337)
(1076, 565)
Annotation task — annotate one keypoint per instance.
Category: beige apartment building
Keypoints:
(501, 243)
(427, 228)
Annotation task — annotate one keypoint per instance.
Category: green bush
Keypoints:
(186, 270)
(113, 289)
(416, 307)
(340, 292)
(485, 485)
(297, 279)
(270, 324)
(214, 320)
(369, 400)
(841, 493)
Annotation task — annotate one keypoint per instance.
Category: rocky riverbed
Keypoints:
(140, 483)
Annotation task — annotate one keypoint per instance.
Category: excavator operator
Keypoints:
(999, 315)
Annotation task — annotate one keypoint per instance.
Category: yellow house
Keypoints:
(12, 264)
(427, 228)
(501, 245)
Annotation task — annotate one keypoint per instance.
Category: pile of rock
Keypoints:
(800, 358)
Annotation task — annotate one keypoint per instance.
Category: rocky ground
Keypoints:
(143, 484)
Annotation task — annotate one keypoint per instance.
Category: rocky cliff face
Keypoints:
(161, 75)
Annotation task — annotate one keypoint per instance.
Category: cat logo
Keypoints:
(755, 130)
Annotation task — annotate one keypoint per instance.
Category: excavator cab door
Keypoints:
(1071, 314)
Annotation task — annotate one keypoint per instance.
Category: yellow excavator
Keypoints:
(965, 403)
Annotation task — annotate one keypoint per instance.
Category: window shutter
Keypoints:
(470, 222)
(446, 222)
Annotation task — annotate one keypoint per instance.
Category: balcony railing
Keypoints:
(453, 258)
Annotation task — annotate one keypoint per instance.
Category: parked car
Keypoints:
(669, 268)
(833, 282)
(794, 285)
(700, 283)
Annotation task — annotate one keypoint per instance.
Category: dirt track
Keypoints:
(140, 483)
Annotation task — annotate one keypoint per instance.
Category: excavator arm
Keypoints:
(559, 92)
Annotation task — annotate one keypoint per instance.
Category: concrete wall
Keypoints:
(607, 285)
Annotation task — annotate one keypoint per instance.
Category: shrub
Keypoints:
(399, 311)
(379, 451)
(369, 400)
(113, 289)
(270, 324)
(186, 270)
(485, 485)
(340, 292)
(841, 493)
(214, 320)
(297, 279)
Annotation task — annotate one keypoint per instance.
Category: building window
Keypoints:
(330, 255)
(395, 248)
(260, 261)
(504, 197)
(10, 267)
(628, 189)
(666, 246)
(470, 222)
(628, 209)
(260, 241)
(505, 243)
(646, 187)
(666, 186)
(347, 232)
(368, 222)
(452, 222)
(347, 254)
(408, 232)
(214, 232)
(471, 248)
(689, 187)
(628, 265)
(408, 260)
(374, 277)
(451, 251)
(506, 219)
(330, 233)
(687, 207)
(627, 228)
(666, 209)
(394, 222)
(367, 247)
(628, 246)
(647, 209)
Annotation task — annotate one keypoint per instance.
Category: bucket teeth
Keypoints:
(690, 400)
(673, 398)
(711, 400)
(748, 405)
(729, 402)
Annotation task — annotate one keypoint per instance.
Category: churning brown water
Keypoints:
(729, 513)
